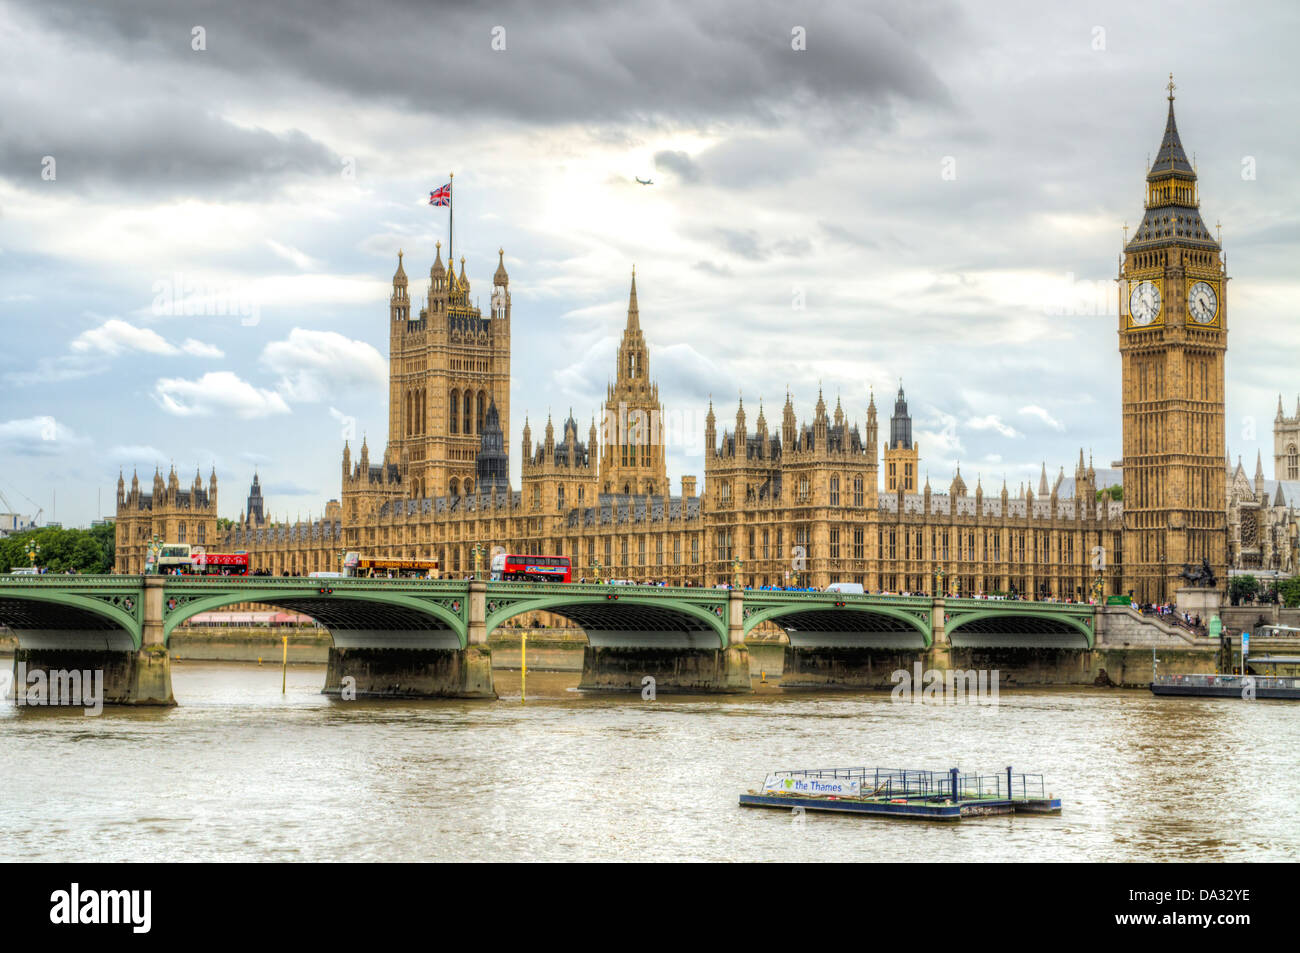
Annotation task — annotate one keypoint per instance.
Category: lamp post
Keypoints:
(938, 579)
(151, 555)
(478, 552)
(33, 550)
(736, 564)
(595, 570)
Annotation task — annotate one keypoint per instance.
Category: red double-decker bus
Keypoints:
(218, 564)
(506, 567)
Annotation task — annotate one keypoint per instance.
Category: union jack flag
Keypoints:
(441, 196)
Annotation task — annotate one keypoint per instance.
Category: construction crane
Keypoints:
(40, 511)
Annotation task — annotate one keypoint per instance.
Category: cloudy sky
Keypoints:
(201, 206)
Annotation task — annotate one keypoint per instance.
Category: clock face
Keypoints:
(1202, 302)
(1144, 303)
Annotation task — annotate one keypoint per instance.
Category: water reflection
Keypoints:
(238, 771)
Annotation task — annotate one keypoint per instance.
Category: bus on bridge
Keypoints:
(507, 567)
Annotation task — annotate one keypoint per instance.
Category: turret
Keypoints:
(710, 432)
(789, 426)
(501, 288)
(872, 427)
(399, 304)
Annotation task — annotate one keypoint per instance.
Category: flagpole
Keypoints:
(451, 218)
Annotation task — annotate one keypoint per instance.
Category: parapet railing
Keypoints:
(1229, 681)
(908, 784)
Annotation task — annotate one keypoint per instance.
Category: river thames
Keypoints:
(240, 772)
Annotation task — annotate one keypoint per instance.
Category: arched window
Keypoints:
(1292, 463)
(469, 487)
(408, 413)
(482, 410)
(468, 411)
(453, 487)
(454, 404)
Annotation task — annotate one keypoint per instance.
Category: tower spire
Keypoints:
(633, 314)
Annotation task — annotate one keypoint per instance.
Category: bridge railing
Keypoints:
(68, 579)
(591, 588)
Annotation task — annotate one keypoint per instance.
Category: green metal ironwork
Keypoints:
(444, 604)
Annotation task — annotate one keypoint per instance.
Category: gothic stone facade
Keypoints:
(806, 503)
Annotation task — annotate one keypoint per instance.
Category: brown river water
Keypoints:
(240, 772)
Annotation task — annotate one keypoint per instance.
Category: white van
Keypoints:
(24, 571)
(324, 575)
(848, 588)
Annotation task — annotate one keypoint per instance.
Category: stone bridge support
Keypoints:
(694, 668)
(364, 671)
(132, 675)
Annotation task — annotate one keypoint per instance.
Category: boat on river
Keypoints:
(903, 793)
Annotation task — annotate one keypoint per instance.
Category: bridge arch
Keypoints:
(999, 628)
(623, 620)
(383, 619)
(55, 619)
(810, 624)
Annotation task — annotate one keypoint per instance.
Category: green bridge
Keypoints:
(404, 637)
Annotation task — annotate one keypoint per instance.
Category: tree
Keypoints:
(83, 550)
(1289, 592)
(1243, 589)
(1115, 492)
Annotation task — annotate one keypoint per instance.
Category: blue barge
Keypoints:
(904, 794)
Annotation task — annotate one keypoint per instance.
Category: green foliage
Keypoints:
(1289, 592)
(85, 550)
(224, 524)
(1243, 588)
(1115, 492)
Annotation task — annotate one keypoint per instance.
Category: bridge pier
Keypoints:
(682, 670)
(369, 671)
(851, 667)
(409, 673)
(672, 670)
(129, 677)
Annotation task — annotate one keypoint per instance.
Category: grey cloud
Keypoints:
(747, 244)
(676, 60)
(678, 163)
(161, 149)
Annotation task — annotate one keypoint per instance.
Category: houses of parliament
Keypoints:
(786, 502)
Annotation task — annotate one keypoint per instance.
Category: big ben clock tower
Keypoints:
(1173, 334)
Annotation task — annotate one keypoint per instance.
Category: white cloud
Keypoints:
(116, 336)
(38, 436)
(293, 255)
(1033, 410)
(197, 348)
(217, 392)
(941, 443)
(992, 422)
(314, 365)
